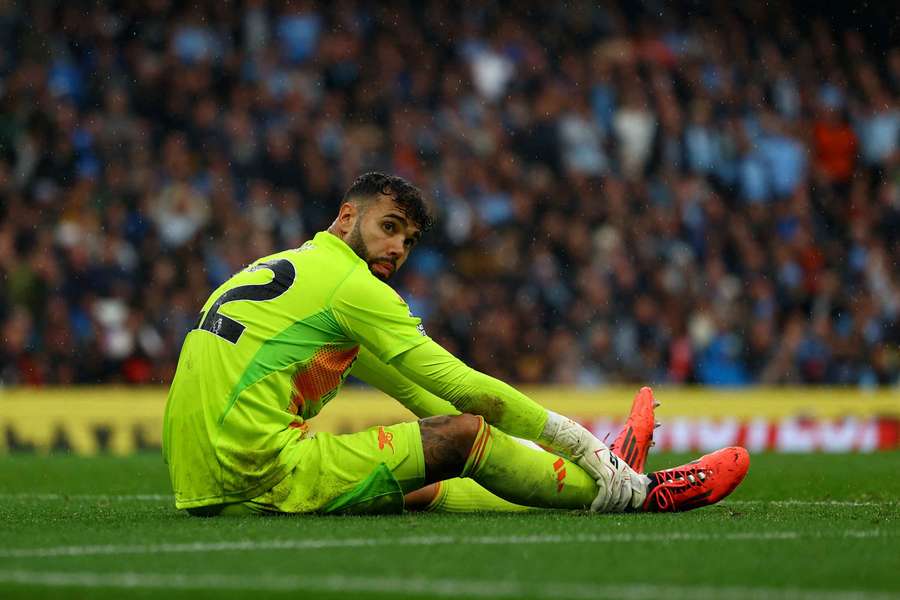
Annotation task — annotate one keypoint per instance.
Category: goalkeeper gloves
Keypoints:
(620, 487)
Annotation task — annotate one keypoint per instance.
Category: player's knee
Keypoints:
(446, 442)
(466, 428)
(460, 430)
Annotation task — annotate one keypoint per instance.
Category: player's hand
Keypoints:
(613, 476)
(620, 486)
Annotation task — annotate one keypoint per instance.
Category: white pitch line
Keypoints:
(453, 588)
(841, 503)
(313, 544)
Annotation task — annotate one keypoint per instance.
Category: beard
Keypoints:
(358, 245)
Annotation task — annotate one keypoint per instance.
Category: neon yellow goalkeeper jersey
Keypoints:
(272, 346)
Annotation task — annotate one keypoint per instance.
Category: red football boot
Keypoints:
(634, 441)
(699, 483)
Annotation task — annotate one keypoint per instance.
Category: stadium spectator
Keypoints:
(689, 194)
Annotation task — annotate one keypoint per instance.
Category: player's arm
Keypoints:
(372, 313)
(430, 366)
(417, 399)
(390, 381)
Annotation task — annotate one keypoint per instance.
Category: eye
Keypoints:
(388, 226)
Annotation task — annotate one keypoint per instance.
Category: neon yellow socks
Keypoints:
(464, 495)
(526, 476)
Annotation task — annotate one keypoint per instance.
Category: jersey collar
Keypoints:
(329, 240)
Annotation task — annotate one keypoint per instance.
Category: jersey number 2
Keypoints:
(229, 329)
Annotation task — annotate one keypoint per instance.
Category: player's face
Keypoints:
(383, 237)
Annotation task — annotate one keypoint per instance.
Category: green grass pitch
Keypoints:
(801, 526)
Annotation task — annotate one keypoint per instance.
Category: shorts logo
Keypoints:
(385, 438)
(560, 467)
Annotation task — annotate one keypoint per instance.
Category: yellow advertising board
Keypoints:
(119, 420)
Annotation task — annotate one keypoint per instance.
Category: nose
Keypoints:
(396, 247)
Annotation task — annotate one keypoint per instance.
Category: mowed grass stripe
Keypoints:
(314, 544)
(111, 497)
(432, 587)
(170, 498)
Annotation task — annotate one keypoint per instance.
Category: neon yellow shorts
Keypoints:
(359, 473)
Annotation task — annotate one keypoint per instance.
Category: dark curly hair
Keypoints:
(408, 197)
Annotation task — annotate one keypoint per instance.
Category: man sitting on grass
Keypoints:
(274, 344)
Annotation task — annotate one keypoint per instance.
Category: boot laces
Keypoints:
(673, 481)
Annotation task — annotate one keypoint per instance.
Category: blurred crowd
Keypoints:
(633, 192)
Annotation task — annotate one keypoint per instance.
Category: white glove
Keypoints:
(619, 485)
(617, 493)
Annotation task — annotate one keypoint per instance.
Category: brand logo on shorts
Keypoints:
(385, 438)
(560, 467)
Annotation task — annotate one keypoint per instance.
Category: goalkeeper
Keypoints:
(274, 344)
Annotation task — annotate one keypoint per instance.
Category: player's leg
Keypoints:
(459, 495)
(366, 472)
(536, 478)
(465, 495)
(464, 445)
(370, 471)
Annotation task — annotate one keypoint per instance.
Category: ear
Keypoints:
(346, 218)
